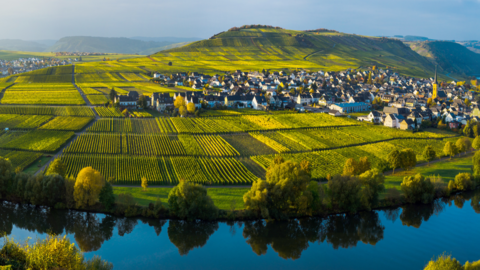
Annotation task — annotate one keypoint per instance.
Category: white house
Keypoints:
(391, 121)
(259, 103)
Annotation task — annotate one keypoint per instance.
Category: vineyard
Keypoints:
(67, 123)
(151, 145)
(20, 159)
(332, 161)
(108, 112)
(36, 140)
(46, 94)
(15, 121)
(162, 170)
(46, 110)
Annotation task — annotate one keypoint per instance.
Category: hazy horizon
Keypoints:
(54, 19)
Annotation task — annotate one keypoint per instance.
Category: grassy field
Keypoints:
(222, 197)
(447, 169)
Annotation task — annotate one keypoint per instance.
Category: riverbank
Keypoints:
(223, 196)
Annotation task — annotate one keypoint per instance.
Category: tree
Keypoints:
(142, 102)
(429, 154)
(191, 201)
(344, 192)
(57, 167)
(476, 143)
(363, 165)
(369, 80)
(476, 164)
(408, 159)
(6, 175)
(417, 189)
(191, 107)
(53, 189)
(10, 71)
(144, 183)
(106, 196)
(463, 182)
(373, 183)
(463, 145)
(182, 111)
(449, 149)
(350, 167)
(112, 94)
(394, 159)
(179, 102)
(285, 189)
(88, 186)
(125, 113)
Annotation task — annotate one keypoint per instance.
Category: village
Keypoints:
(382, 97)
(22, 65)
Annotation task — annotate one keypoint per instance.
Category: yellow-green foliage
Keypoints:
(88, 186)
(445, 262)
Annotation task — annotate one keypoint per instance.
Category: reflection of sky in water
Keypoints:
(453, 230)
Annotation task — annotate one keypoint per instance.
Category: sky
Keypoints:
(54, 19)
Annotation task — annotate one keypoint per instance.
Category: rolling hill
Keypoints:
(451, 57)
(104, 45)
(256, 48)
(22, 45)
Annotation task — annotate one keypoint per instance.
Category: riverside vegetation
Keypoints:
(287, 192)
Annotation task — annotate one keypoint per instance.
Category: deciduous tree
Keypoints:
(429, 154)
(408, 159)
(144, 183)
(449, 149)
(88, 186)
(417, 189)
(191, 201)
(373, 183)
(57, 167)
(394, 159)
(476, 143)
(191, 107)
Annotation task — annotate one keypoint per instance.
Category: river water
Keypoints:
(401, 238)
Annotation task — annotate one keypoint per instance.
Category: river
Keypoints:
(401, 238)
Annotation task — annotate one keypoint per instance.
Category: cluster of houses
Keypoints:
(403, 99)
(22, 65)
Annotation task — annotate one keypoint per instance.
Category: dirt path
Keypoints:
(78, 88)
(305, 58)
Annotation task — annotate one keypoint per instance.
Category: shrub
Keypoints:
(372, 181)
(417, 189)
(106, 196)
(444, 262)
(190, 201)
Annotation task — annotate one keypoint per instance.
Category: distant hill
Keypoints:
(415, 38)
(167, 39)
(256, 48)
(21, 45)
(163, 48)
(105, 45)
(451, 57)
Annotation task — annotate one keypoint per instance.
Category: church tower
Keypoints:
(435, 86)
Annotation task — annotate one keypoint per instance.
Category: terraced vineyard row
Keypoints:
(161, 170)
(20, 159)
(151, 145)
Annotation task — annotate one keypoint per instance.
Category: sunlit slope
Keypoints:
(252, 49)
(451, 57)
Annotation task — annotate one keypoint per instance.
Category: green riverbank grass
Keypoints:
(447, 169)
(222, 197)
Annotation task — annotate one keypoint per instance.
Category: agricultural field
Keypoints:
(20, 159)
(16, 121)
(42, 94)
(151, 145)
(108, 112)
(161, 170)
(67, 123)
(47, 110)
(35, 140)
(97, 99)
(332, 161)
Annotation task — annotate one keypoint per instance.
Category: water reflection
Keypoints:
(287, 238)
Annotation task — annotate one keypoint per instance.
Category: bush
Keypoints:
(444, 262)
(417, 189)
(190, 201)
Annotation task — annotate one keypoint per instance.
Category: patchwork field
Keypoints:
(42, 94)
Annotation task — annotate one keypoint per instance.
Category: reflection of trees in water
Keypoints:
(392, 214)
(290, 238)
(414, 214)
(89, 230)
(189, 235)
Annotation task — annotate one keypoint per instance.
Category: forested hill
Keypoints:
(107, 45)
(275, 48)
(451, 57)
